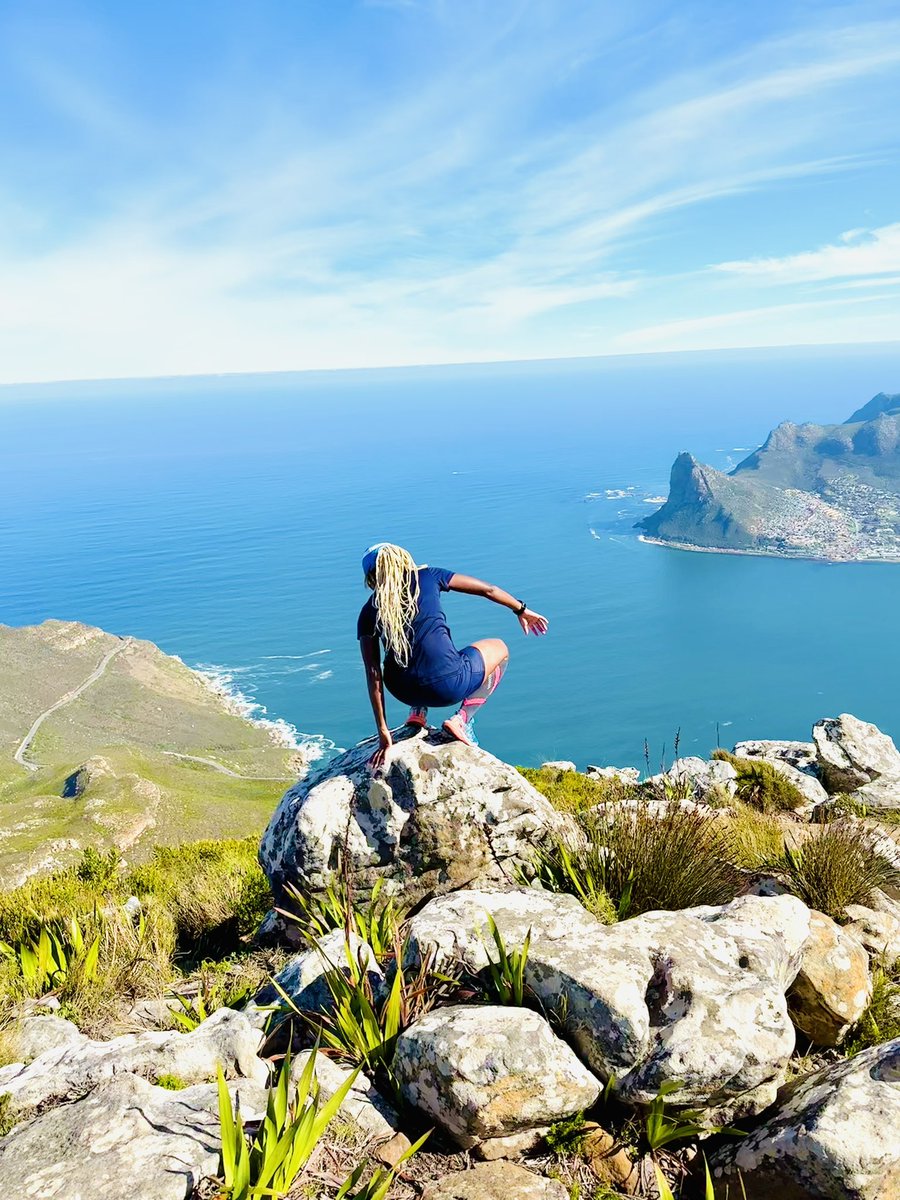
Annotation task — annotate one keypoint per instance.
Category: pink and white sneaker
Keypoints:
(418, 717)
(461, 729)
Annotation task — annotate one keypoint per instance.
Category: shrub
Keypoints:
(505, 975)
(172, 1083)
(643, 862)
(217, 987)
(881, 1020)
(761, 785)
(837, 865)
(758, 838)
(570, 791)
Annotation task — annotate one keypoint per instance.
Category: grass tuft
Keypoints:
(761, 785)
(640, 862)
(570, 791)
(837, 865)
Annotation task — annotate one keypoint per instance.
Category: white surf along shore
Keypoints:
(221, 681)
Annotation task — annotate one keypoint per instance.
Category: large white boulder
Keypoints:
(126, 1138)
(696, 996)
(833, 1137)
(486, 1072)
(698, 778)
(852, 753)
(877, 926)
(71, 1069)
(443, 816)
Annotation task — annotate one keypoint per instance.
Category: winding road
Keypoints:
(217, 766)
(29, 737)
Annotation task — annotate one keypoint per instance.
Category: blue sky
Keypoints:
(211, 187)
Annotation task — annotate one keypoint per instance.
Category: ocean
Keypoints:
(224, 519)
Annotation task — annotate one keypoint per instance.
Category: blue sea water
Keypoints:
(224, 518)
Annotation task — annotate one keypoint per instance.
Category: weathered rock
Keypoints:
(799, 755)
(881, 795)
(852, 753)
(496, 1181)
(626, 775)
(126, 1138)
(833, 987)
(364, 1105)
(443, 816)
(833, 1137)
(706, 781)
(485, 1072)
(302, 977)
(876, 926)
(696, 996)
(37, 1035)
(610, 1162)
(561, 764)
(226, 1038)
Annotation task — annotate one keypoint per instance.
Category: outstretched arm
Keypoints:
(371, 656)
(530, 621)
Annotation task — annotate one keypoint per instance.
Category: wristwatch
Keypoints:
(522, 609)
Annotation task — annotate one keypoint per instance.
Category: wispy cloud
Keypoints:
(488, 181)
(872, 252)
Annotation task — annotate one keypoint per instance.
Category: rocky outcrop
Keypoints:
(833, 1137)
(302, 978)
(882, 795)
(706, 782)
(127, 1138)
(74, 1067)
(696, 996)
(852, 753)
(833, 986)
(876, 926)
(486, 1073)
(496, 1181)
(444, 816)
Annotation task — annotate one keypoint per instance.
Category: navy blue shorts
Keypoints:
(439, 693)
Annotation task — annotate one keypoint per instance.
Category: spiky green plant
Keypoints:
(376, 920)
(761, 785)
(59, 953)
(505, 978)
(267, 1165)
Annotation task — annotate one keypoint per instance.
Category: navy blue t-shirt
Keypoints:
(432, 653)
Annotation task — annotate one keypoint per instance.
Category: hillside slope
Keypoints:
(817, 491)
(107, 741)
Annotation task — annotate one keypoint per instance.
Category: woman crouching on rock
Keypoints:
(422, 667)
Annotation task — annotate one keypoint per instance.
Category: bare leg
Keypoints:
(496, 659)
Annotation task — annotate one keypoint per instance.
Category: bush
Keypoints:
(570, 791)
(643, 862)
(881, 1020)
(758, 837)
(837, 865)
(761, 785)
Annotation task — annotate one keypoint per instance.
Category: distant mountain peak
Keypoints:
(883, 403)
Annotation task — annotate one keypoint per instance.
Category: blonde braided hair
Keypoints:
(396, 585)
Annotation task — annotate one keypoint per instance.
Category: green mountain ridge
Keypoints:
(814, 491)
(110, 742)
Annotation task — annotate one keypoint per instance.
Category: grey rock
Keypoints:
(799, 755)
(226, 1038)
(626, 775)
(852, 753)
(706, 780)
(561, 764)
(833, 986)
(833, 1136)
(443, 816)
(126, 1138)
(485, 1072)
(302, 977)
(496, 1181)
(37, 1035)
(364, 1105)
(877, 927)
(881, 795)
(696, 996)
